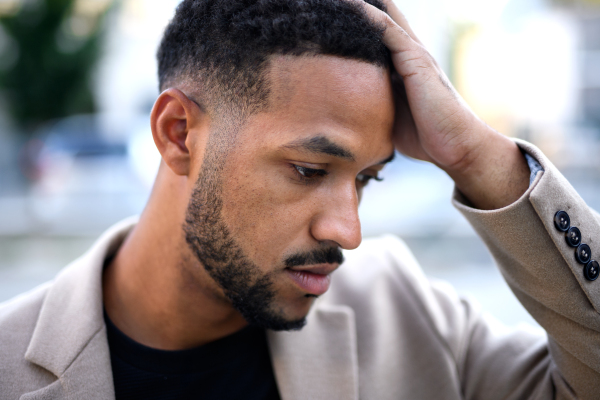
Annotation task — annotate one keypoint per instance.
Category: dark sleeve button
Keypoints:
(591, 270)
(573, 237)
(583, 254)
(562, 222)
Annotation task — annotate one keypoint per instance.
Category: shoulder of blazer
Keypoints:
(55, 338)
(18, 318)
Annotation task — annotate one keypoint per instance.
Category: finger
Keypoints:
(398, 17)
(396, 38)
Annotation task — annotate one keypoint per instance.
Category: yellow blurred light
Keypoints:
(9, 7)
(480, 79)
(518, 78)
(81, 26)
(91, 8)
(475, 10)
(133, 16)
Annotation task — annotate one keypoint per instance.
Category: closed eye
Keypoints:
(363, 179)
(312, 175)
(308, 175)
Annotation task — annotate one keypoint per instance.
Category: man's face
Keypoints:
(269, 214)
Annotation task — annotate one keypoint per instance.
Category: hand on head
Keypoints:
(434, 124)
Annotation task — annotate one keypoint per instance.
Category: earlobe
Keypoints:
(172, 118)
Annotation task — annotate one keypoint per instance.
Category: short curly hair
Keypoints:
(224, 46)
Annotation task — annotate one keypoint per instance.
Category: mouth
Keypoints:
(314, 279)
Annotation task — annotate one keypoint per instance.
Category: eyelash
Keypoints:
(301, 172)
(367, 178)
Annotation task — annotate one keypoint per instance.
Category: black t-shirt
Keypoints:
(234, 367)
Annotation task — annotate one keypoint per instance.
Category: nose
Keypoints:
(337, 220)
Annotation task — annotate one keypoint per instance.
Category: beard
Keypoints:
(249, 290)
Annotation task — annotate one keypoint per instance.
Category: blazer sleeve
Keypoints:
(542, 270)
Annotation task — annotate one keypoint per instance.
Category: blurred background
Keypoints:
(78, 80)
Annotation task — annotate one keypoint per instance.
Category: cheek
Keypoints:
(265, 212)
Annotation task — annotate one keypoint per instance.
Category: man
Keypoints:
(273, 116)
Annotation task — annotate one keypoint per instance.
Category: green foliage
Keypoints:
(49, 55)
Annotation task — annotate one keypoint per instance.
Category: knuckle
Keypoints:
(425, 55)
(388, 21)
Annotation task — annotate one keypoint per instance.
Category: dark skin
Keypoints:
(434, 124)
(274, 203)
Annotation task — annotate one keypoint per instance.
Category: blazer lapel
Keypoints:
(69, 338)
(89, 376)
(321, 360)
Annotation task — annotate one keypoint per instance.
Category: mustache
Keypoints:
(330, 255)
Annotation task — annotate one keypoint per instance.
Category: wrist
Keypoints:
(494, 174)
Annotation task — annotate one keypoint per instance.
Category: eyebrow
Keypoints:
(321, 145)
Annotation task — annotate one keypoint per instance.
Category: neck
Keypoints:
(155, 291)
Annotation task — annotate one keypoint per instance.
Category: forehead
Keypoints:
(348, 101)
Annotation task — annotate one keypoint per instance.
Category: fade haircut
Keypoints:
(222, 48)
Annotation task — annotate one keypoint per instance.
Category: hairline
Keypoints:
(196, 90)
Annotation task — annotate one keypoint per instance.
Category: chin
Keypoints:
(296, 314)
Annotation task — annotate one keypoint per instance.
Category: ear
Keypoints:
(172, 119)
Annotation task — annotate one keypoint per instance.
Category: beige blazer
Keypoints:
(383, 331)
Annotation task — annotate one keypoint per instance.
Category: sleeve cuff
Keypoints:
(534, 167)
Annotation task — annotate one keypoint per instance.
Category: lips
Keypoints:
(313, 279)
